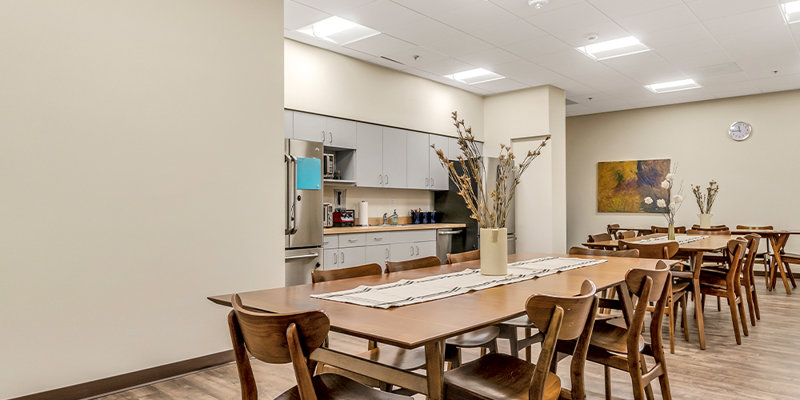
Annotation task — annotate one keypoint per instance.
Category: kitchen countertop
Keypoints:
(388, 228)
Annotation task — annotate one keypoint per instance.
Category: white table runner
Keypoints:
(412, 291)
(681, 239)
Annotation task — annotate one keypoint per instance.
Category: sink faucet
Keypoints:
(385, 218)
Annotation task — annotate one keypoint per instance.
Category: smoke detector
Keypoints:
(538, 4)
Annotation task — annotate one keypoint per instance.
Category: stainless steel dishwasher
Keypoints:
(444, 241)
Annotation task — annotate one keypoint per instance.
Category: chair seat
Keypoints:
(678, 287)
(475, 338)
(610, 337)
(332, 386)
(404, 359)
(791, 258)
(519, 322)
(682, 274)
(713, 279)
(496, 376)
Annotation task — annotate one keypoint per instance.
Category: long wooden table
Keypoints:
(428, 324)
(778, 239)
(696, 249)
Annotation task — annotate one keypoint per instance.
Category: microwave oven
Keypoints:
(328, 166)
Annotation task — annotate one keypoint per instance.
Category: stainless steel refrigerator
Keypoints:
(303, 228)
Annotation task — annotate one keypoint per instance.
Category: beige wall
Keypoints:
(139, 142)
(757, 185)
(384, 200)
(328, 83)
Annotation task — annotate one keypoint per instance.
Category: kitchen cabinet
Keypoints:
(377, 247)
(394, 158)
(332, 132)
(288, 124)
(439, 178)
(309, 127)
(378, 255)
(343, 257)
(369, 155)
(417, 161)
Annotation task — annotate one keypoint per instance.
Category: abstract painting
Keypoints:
(623, 185)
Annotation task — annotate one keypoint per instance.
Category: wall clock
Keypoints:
(740, 130)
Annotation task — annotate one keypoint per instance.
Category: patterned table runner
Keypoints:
(412, 291)
(681, 239)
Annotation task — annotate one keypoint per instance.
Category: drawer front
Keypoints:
(425, 235)
(352, 240)
(330, 241)
(384, 238)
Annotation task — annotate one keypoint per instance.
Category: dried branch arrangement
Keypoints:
(489, 209)
(706, 200)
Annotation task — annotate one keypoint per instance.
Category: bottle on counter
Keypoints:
(394, 218)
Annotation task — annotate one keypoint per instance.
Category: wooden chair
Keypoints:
(728, 286)
(464, 257)
(397, 357)
(582, 251)
(600, 237)
(665, 229)
(708, 232)
(748, 277)
(612, 229)
(625, 348)
(424, 262)
(501, 376)
(764, 256)
(283, 338)
(344, 273)
(626, 234)
(484, 338)
(712, 228)
(680, 289)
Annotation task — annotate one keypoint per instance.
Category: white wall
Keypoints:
(383, 200)
(756, 177)
(328, 83)
(139, 143)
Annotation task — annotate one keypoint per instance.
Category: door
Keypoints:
(417, 160)
(438, 173)
(394, 158)
(369, 155)
(351, 256)
(378, 255)
(341, 133)
(310, 127)
(424, 249)
(402, 252)
(330, 259)
(304, 194)
(299, 264)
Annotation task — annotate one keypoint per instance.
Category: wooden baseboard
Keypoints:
(136, 378)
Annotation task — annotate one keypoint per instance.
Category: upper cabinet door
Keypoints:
(369, 155)
(310, 127)
(340, 133)
(453, 149)
(288, 124)
(417, 171)
(439, 179)
(394, 158)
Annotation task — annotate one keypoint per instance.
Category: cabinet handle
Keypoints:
(352, 240)
(387, 253)
(431, 181)
(331, 135)
(380, 176)
(342, 257)
(387, 179)
(377, 238)
(412, 250)
(335, 258)
(417, 249)
(323, 137)
(426, 182)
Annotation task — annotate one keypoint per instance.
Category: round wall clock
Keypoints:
(740, 130)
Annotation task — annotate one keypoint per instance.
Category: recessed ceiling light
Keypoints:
(475, 76)
(613, 48)
(674, 86)
(338, 30)
(791, 11)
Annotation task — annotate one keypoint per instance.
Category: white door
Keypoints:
(425, 249)
(369, 155)
(378, 255)
(440, 180)
(330, 259)
(351, 256)
(417, 156)
(402, 252)
(394, 158)
(341, 133)
(534, 200)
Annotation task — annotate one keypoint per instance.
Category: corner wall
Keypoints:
(139, 143)
(756, 176)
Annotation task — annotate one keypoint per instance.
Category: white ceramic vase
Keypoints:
(494, 251)
(705, 220)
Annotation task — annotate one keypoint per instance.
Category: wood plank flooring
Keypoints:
(765, 366)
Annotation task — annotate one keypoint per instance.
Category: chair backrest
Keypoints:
(708, 232)
(611, 228)
(626, 234)
(582, 251)
(652, 250)
(560, 318)
(397, 266)
(276, 339)
(600, 237)
(647, 286)
(712, 227)
(765, 227)
(464, 257)
(665, 229)
(344, 273)
(736, 256)
(753, 241)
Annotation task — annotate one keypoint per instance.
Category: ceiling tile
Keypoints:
(534, 48)
(573, 23)
(745, 22)
(522, 9)
(618, 9)
(709, 9)
(686, 34)
(416, 56)
(381, 45)
(778, 83)
(488, 58)
(663, 18)
(509, 32)
(296, 15)
(337, 7)
(526, 72)
(502, 85)
(445, 67)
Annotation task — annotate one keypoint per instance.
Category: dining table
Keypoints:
(777, 239)
(429, 324)
(695, 249)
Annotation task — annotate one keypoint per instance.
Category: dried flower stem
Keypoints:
(706, 201)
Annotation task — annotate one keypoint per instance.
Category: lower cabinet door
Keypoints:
(425, 249)
(351, 256)
(330, 259)
(378, 255)
(402, 252)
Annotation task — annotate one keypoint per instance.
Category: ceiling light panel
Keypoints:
(614, 48)
(791, 11)
(673, 86)
(338, 30)
(475, 76)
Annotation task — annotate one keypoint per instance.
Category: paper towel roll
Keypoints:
(363, 213)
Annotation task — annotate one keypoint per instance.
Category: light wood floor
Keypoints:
(765, 366)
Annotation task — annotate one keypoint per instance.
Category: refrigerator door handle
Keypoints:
(314, 255)
(288, 161)
(293, 168)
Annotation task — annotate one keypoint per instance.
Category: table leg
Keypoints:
(697, 264)
(776, 247)
(434, 367)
